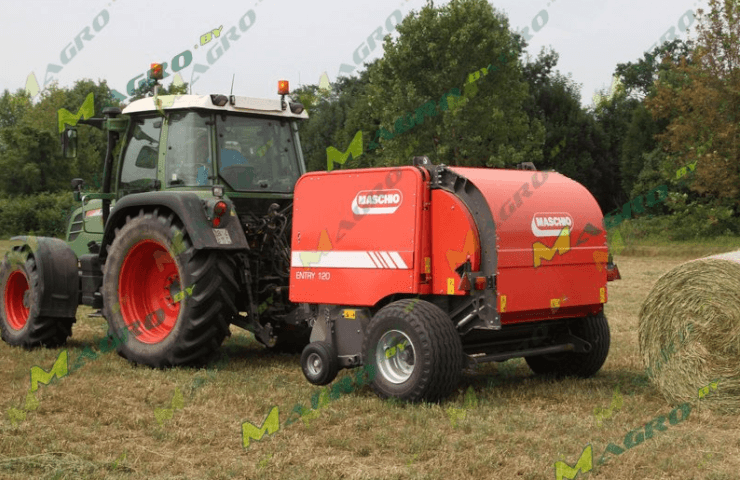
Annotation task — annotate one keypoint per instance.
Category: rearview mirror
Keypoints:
(69, 142)
(147, 158)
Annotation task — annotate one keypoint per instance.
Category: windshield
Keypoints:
(256, 153)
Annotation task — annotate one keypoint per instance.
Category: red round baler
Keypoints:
(420, 270)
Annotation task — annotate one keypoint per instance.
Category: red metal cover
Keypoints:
(454, 241)
(355, 234)
(550, 241)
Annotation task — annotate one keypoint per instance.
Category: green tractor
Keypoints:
(190, 234)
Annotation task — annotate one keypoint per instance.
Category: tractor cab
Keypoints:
(246, 145)
(246, 148)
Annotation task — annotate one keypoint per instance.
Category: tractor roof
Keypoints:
(259, 106)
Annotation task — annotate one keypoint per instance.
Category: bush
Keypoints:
(44, 214)
(697, 219)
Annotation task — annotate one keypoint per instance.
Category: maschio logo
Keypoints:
(550, 224)
(377, 202)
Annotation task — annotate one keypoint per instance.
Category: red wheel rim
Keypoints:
(147, 285)
(16, 300)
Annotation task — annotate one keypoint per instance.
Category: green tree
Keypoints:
(13, 107)
(31, 157)
(555, 102)
(638, 81)
(638, 78)
(639, 139)
(699, 97)
(327, 125)
(613, 115)
(437, 50)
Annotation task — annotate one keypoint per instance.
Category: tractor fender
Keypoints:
(189, 209)
(58, 275)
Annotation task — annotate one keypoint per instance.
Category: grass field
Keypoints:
(99, 420)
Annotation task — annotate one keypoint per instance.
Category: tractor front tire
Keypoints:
(174, 301)
(595, 330)
(414, 350)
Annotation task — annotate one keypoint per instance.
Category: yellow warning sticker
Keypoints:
(554, 303)
(502, 309)
(427, 265)
(602, 294)
(349, 314)
(450, 286)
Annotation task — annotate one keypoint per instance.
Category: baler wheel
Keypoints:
(414, 350)
(175, 301)
(595, 330)
(21, 287)
(320, 363)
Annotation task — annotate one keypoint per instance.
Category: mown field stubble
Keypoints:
(99, 422)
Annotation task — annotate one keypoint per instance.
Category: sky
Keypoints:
(263, 41)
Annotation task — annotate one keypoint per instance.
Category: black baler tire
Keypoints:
(39, 330)
(438, 352)
(595, 330)
(203, 321)
(330, 362)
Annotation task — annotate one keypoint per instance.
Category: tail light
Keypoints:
(612, 271)
(218, 211)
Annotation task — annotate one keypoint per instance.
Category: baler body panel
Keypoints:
(357, 236)
(551, 248)
(455, 239)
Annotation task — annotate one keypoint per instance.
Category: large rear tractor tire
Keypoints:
(174, 301)
(414, 351)
(595, 330)
(32, 299)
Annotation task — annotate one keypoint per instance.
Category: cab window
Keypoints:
(189, 150)
(139, 170)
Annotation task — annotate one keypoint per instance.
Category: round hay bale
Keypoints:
(689, 332)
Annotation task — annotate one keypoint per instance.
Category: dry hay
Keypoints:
(689, 332)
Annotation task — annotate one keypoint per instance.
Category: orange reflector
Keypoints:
(156, 71)
(283, 87)
(480, 283)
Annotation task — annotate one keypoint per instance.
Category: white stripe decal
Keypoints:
(399, 261)
(375, 262)
(388, 260)
(347, 259)
(376, 256)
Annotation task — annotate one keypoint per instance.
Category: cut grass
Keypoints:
(520, 427)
